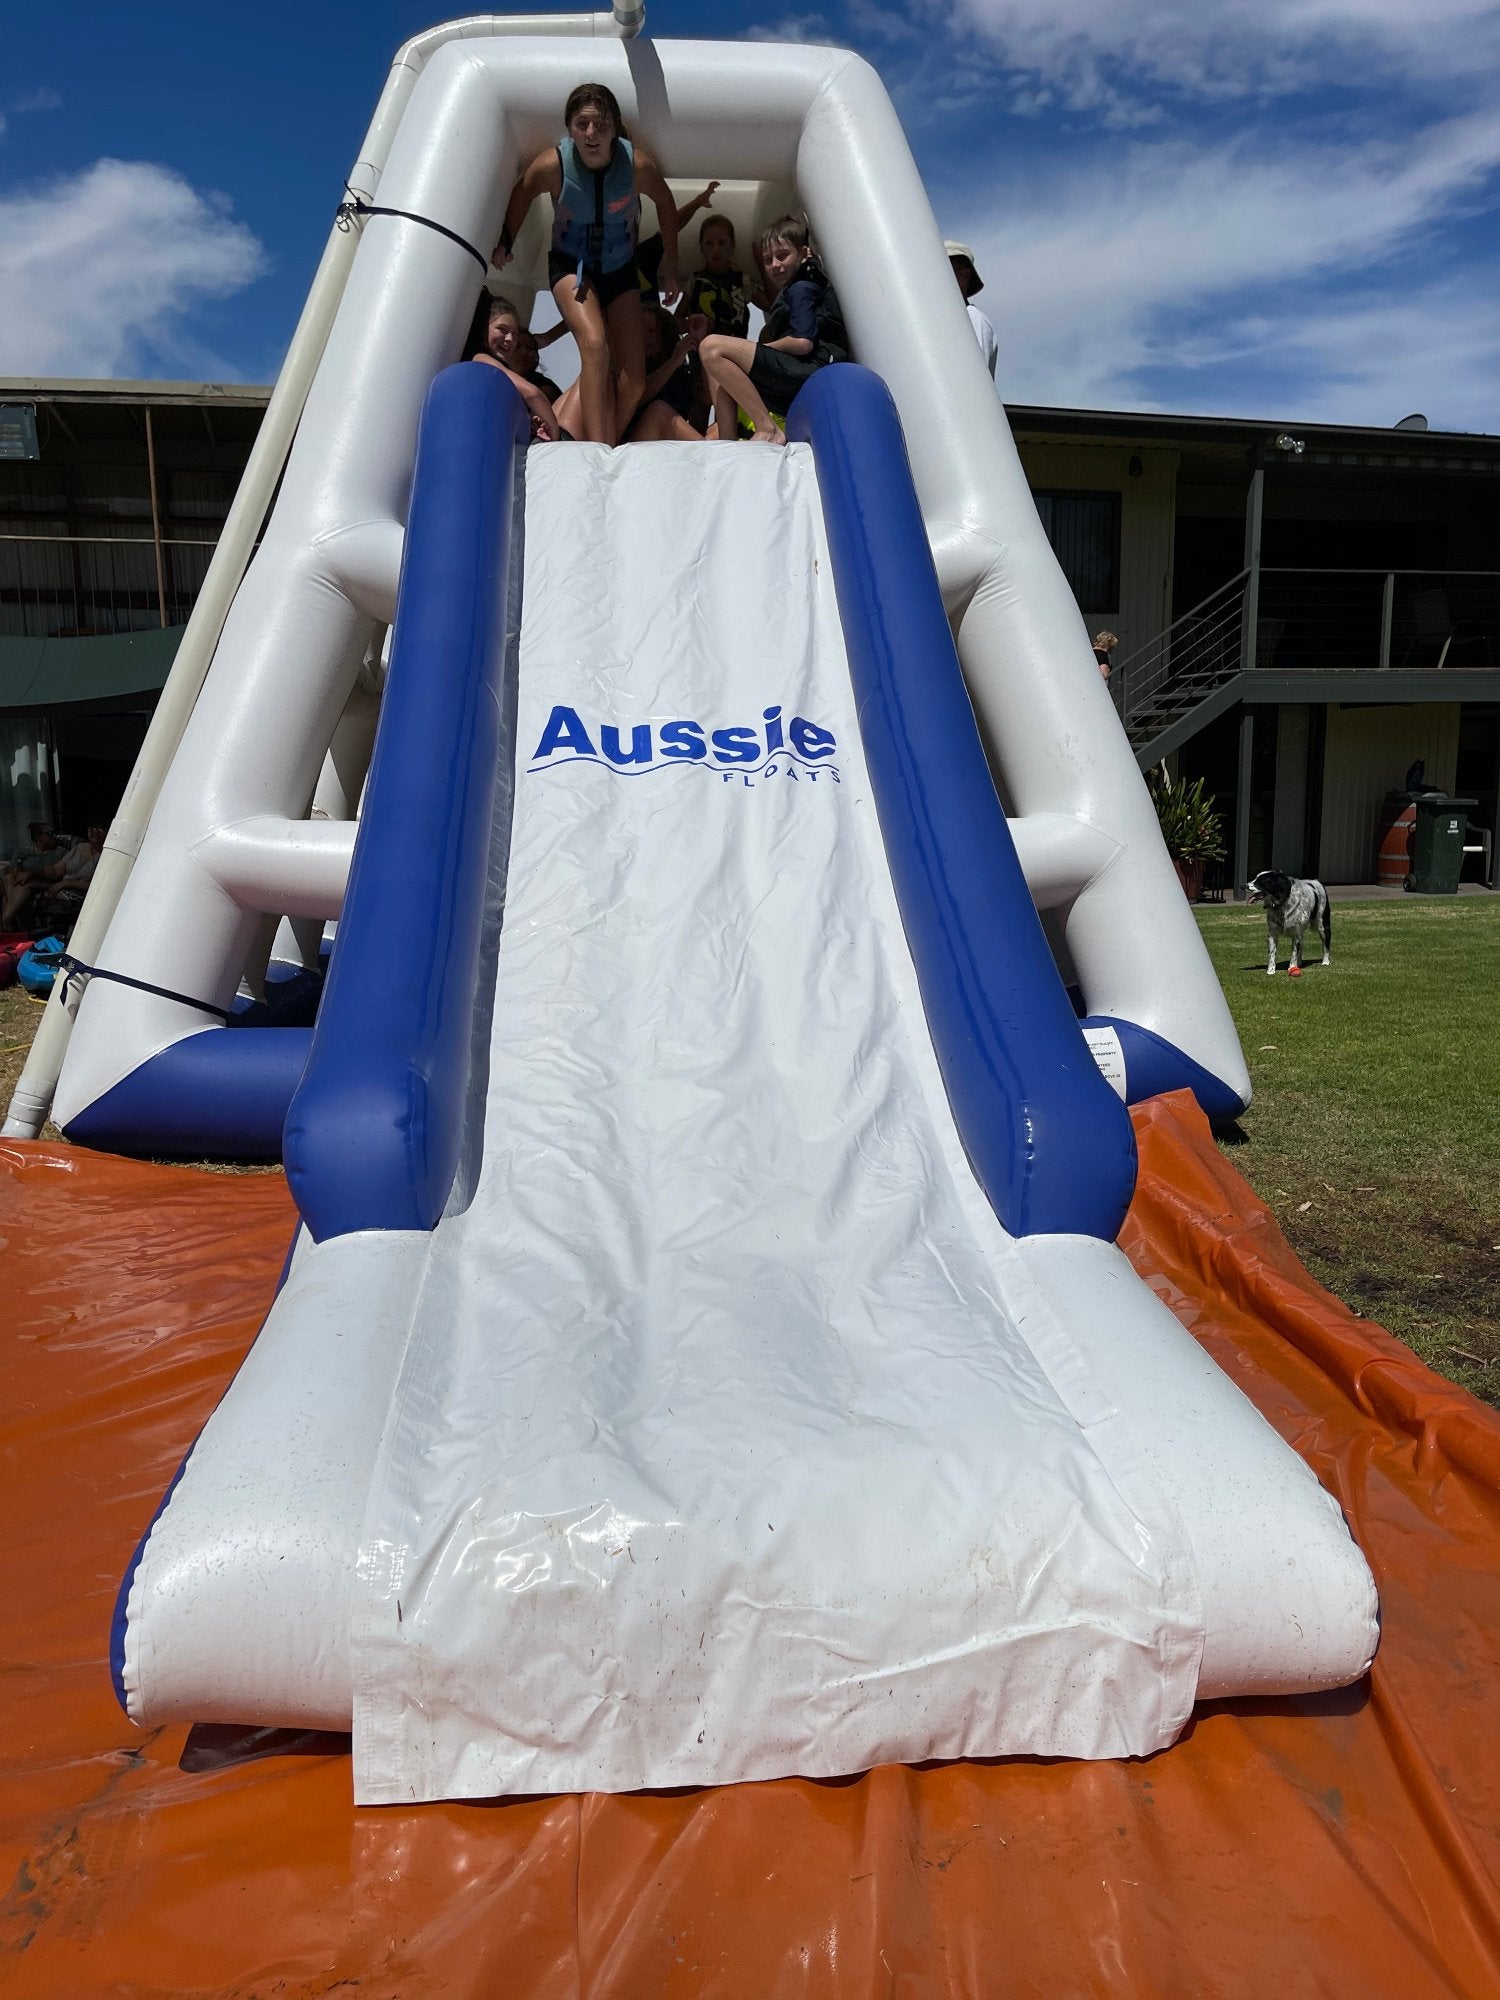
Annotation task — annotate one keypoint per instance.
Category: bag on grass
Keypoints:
(38, 967)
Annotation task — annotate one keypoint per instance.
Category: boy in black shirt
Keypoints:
(804, 331)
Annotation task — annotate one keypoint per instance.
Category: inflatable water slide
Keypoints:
(704, 1353)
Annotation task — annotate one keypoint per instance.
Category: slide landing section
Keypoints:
(719, 1431)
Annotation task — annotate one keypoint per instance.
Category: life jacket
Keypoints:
(597, 215)
(830, 339)
(723, 298)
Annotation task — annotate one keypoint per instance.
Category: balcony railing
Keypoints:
(1310, 620)
(79, 586)
(1352, 620)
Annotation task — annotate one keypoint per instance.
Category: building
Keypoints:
(112, 495)
(1303, 610)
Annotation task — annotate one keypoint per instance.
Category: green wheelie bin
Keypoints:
(1437, 846)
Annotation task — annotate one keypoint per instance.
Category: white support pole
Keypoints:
(31, 1100)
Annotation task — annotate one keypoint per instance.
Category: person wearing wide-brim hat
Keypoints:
(966, 271)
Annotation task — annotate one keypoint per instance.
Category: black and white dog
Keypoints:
(1291, 905)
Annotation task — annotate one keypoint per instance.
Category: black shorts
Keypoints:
(606, 286)
(777, 376)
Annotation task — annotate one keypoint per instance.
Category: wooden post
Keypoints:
(1242, 799)
(161, 567)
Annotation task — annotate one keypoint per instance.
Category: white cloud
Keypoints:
(99, 271)
(1096, 52)
(814, 28)
(1115, 270)
(40, 99)
(1369, 360)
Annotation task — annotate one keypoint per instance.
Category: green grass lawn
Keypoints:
(18, 1018)
(1375, 1133)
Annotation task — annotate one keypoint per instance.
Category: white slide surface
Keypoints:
(731, 1435)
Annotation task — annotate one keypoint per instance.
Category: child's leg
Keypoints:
(627, 350)
(726, 362)
(569, 410)
(586, 324)
(659, 423)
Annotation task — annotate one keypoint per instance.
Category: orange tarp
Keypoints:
(1339, 1845)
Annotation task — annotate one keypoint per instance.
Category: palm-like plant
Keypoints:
(1190, 824)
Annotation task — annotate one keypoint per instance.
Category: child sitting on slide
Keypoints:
(717, 294)
(666, 412)
(596, 178)
(495, 338)
(804, 331)
(716, 299)
(649, 253)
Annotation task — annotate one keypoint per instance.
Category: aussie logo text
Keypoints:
(791, 748)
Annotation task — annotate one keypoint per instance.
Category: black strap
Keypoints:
(74, 968)
(356, 205)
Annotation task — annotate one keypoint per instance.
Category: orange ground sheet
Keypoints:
(1342, 1845)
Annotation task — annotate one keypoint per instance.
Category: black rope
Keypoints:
(74, 968)
(356, 205)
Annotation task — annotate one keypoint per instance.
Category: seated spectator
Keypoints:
(666, 411)
(42, 854)
(961, 257)
(495, 334)
(804, 331)
(62, 878)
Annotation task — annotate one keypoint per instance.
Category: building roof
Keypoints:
(1325, 444)
(209, 395)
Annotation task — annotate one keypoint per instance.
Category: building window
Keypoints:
(1084, 530)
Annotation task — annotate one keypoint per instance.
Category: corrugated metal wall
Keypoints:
(1147, 513)
(1367, 753)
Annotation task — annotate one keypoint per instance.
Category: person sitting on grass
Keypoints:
(804, 331)
(596, 178)
(495, 338)
(41, 856)
(62, 875)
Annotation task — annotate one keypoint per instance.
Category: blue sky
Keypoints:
(1279, 208)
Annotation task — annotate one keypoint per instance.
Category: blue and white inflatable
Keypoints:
(705, 1355)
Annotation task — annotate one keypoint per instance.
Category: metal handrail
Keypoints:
(1223, 635)
(120, 541)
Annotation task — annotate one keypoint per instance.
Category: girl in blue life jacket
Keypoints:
(596, 178)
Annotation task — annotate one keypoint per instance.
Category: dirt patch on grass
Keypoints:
(1439, 1291)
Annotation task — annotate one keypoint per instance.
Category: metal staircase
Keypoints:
(1169, 688)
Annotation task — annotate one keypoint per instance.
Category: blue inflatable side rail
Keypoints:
(1050, 1142)
(1154, 1066)
(220, 1095)
(372, 1137)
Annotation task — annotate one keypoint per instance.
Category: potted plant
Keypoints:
(1190, 826)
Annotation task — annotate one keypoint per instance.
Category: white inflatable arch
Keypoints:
(231, 841)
